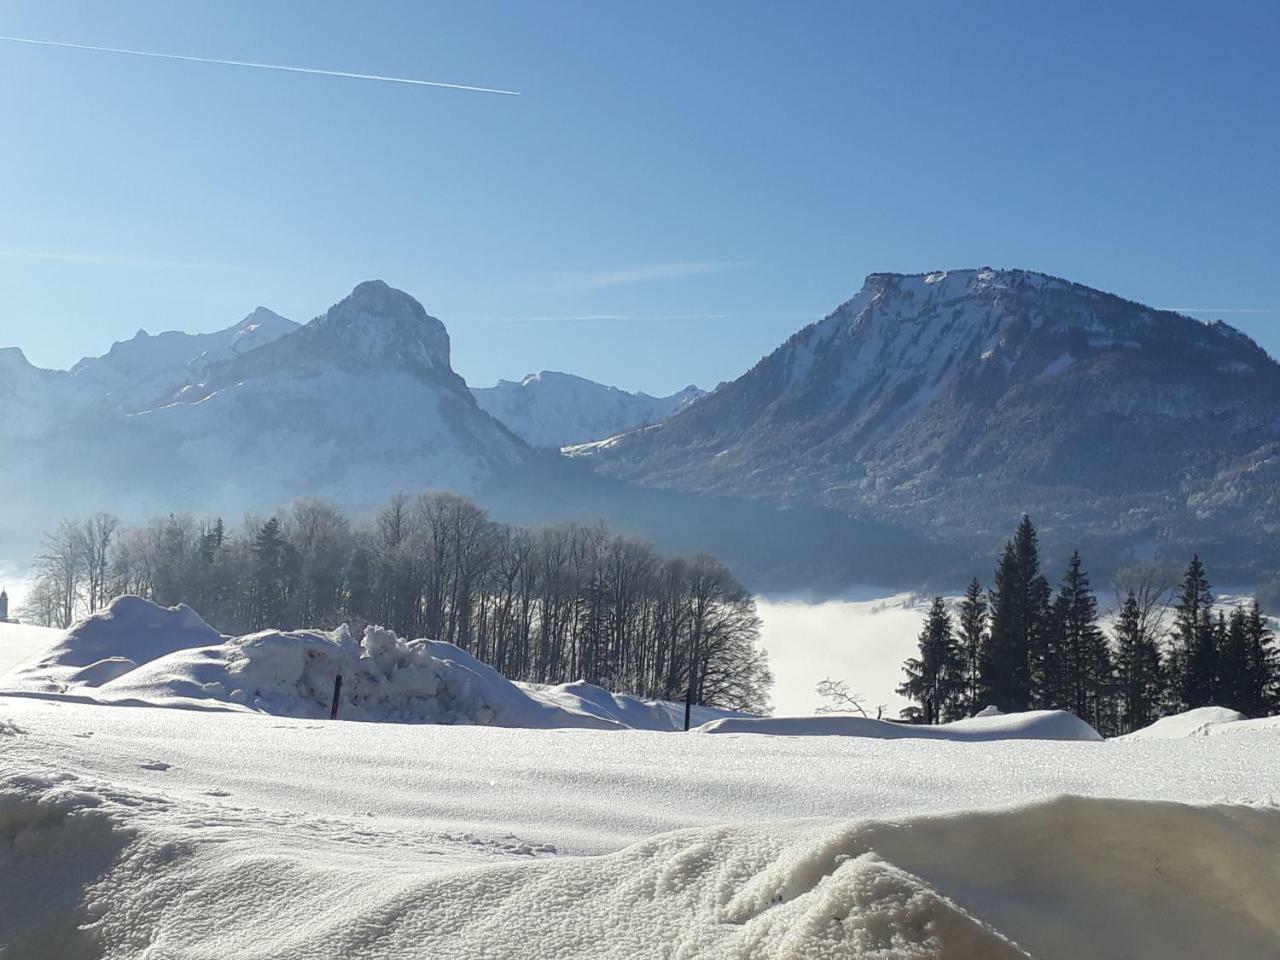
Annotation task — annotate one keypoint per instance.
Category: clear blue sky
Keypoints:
(679, 187)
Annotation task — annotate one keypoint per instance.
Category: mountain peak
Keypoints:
(376, 323)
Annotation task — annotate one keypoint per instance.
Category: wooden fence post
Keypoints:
(337, 691)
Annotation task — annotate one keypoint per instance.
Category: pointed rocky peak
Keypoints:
(259, 327)
(377, 323)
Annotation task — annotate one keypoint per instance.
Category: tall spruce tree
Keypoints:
(935, 679)
(971, 623)
(269, 570)
(1013, 658)
(1078, 670)
(1139, 672)
(1194, 655)
(1230, 642)
(1260, 694)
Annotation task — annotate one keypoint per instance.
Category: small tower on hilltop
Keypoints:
(4, 606)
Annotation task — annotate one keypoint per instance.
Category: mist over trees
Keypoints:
(1022, 646)
(546, 605)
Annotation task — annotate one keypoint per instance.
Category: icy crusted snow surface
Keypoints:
(130, 832)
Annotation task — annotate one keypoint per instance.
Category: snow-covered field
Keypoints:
(141, 831)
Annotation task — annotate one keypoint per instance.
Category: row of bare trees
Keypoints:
(546, 605)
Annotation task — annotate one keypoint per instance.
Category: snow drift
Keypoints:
(1032, 725)
(113, 642)
(1067, 878)
(1199, 722)
(137, 652)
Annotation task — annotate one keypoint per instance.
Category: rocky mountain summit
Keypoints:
(955, 400)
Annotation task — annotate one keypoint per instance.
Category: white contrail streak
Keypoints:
(264, 66)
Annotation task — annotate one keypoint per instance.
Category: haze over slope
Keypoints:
(956, 400)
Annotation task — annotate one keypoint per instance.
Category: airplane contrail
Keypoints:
(264, 66)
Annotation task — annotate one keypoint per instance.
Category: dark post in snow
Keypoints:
(337, 690)
(688, 706)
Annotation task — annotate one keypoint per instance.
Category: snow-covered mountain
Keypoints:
(130, 376)
(355, 405)
(955, 400)
(135, 372)
(550, 409)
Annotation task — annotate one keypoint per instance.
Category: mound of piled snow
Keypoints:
(384, 678)
(628, 711)
(1032, 725)
(137, 652)
(1199, 722)
(111, 643)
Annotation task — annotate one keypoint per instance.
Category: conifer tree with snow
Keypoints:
(935, 679)
(971, 624)
(1013, 657)
(1193, 654)
(1139, 671)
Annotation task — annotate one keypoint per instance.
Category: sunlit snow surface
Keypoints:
(151, 832)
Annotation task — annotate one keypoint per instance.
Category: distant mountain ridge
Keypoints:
(357, 404)
(954, 400)
(131, 375)
(551, 409)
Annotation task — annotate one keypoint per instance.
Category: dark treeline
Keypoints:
(1023, 646)
(547, 605)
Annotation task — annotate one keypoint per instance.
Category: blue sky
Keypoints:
(678, 188)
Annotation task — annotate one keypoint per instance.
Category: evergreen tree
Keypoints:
(1259, 693)
(1079, 671)
(971, 622)
(1013, 658)
(1193, 658)
(1139, 674)
(1230, 642)
(269, 576)
(935, 679)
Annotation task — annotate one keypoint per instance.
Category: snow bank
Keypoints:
(1067, 878)
(140, 653)
(384, 678)
(1032, 725)
(113, 642)
(628, 711)
(1191, 723)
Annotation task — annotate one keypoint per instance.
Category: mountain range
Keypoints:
(900, 436)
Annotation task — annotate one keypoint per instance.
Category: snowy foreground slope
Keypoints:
(138, 831)
(130, 831)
